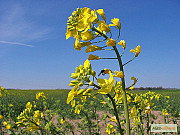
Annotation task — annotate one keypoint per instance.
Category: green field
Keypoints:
(57, 98)
(15, 102)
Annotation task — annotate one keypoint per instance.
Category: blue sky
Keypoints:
(34, 53)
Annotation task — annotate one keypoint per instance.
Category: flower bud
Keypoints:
(80, 66)
(81, 84)
(80, 91)
(91, 83)
(74, 75)
(79, 79)
(74, 81)
(93, 73)
(77, 70)
(72, 84)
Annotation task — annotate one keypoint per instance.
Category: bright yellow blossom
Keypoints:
(72, 93)
(118, 74)
(93, 48)
(106, 85)
(78, 109)
(122, 43)
(87, 35)
(137, 99)
(133, 78)
(4, 123)
(29, 105)
(116, 23)
(1, 117)
(8, 126)
(93, 57)
(114, 119)
(62, 121)
(102, 26)
(101, 13)
(137, 50)
(164, 111)
(111, 42)
(133, 112)
(110, 129)
(2, 88)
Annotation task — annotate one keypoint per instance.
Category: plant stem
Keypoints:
(116, 114)
(124, 92)
(108, 58)
(123, 82)
(129, 61)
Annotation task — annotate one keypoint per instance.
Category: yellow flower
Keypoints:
(87, 64)
(122, 43)
(40, 94)
(118, 74)
(2, 88)
(157, 96)
(72, 93)
(93, 57)
(116, 23)
(4, 123)
(78, 45)
(62, 121)
(164, 111)
(137, 99)
(147, 109)
(109, 129)
(137, 50)
(106, 85)
(93, 48)
(88, 35)
(73, 103)
(1, 117)
(133, 78)
(78, 109)
(132, 87)
(29, 105)
(8, 126)
(133, 112)
(101, 13)
(114, 119)
(111, 42)
(70, 33)
(102, 26)
(0, 94)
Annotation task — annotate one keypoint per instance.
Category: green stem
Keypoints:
(123, 83)
(108, 58)
(124, 92)
(122, 53)
(116, 114)
(129, 61)
(89, 122)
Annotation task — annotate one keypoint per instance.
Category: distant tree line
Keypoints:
(153, 88)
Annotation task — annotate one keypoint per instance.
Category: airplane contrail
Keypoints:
(16, 43)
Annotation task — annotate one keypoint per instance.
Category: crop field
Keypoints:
(16, 101)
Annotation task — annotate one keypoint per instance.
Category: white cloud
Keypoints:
(15, 25)
(16, 43)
